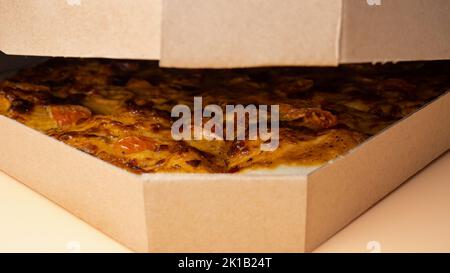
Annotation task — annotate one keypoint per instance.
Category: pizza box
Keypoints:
(224, 33)
(292, 210)
(287, 211)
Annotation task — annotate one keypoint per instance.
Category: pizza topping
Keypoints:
(106, 101)
(294, 86)
(314, 118)
(194, 163)
(395, 88)
(396, 84)
(21, 106)
(138, 84)
(26, 86)
(66, 115)
(135, 144)
(120, 111)
(5, 104)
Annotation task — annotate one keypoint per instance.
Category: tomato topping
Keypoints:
(5, 104)
(66, 115)
(134, 144)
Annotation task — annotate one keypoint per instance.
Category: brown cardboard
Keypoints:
(229, 33)
(101, 28)
(107, 198)
(343, 189)
(225, 212)
(397, 30)
(223, 33)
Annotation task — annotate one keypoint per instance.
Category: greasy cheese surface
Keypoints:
(119, 111)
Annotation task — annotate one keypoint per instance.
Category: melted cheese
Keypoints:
(119, 111)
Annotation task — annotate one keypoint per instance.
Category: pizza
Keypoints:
(120, 110)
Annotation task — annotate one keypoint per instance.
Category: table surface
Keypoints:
(414, 218)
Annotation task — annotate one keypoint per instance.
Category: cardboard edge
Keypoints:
(223, 34)
(90, 29)
(369, 173)
(394, 31)
(107, 198)
(188, 213)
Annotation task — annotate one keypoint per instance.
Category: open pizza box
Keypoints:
(291, 211)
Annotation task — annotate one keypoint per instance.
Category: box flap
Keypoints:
(229, 33)
(80, 28)
(224, 33)
(395, 30)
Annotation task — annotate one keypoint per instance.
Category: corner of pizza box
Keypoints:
(167, 213)
(225, 213)
(134, 209)
(104, 196)
(103, 28)
(402, 30)
(343, 189)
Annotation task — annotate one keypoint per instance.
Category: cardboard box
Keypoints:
(229, 33)
(291, 212)
(271, 212)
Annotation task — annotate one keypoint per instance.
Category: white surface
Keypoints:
(416, 217)
(31, 223)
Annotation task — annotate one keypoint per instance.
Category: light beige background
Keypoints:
(414, 218)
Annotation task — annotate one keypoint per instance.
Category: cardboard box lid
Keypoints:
(229, 33)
